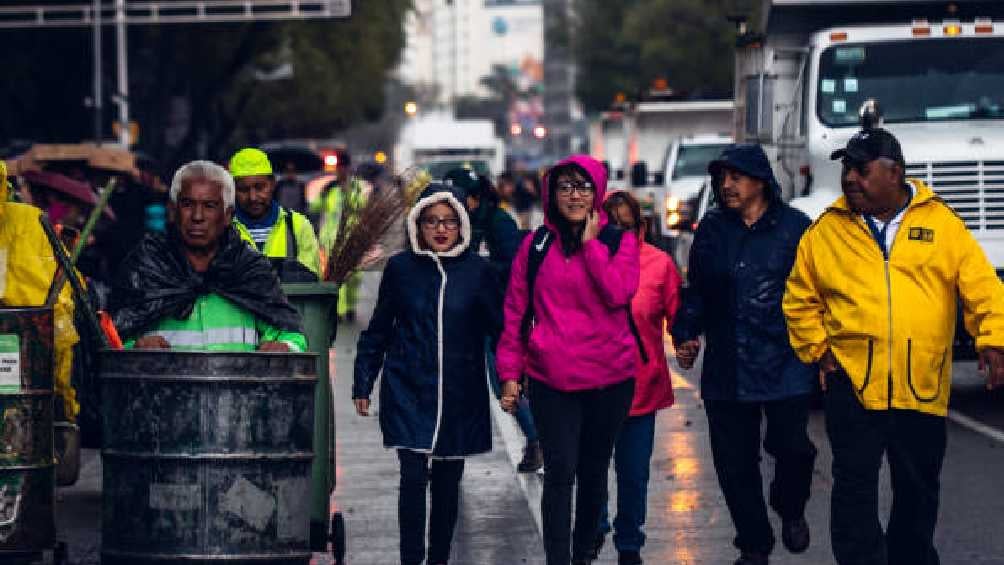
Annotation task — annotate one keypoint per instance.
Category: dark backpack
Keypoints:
(610, 236)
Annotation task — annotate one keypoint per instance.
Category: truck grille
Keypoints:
(975, 189)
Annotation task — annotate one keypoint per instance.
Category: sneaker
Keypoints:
(752, 558)
(594, 554)
(795, 535)
(533, 458)
(629, 558)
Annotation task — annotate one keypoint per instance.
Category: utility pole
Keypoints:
(123, 68)
(98, 94)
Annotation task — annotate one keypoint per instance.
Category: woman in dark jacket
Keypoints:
(437, 305)
(742, 253)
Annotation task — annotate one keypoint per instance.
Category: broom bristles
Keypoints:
(365, 222)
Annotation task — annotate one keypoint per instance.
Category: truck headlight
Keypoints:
(673, 216)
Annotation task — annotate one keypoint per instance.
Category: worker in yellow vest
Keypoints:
(338, 202)
(285, 236)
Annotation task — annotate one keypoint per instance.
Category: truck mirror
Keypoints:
(639, 174)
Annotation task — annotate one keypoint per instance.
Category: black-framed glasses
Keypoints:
(583, 187)
(432, 223)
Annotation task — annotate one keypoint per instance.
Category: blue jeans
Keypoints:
(523, 415)
(632, 454)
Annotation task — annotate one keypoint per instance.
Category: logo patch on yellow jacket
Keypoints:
(925, 235)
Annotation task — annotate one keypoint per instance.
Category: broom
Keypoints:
(366, 221)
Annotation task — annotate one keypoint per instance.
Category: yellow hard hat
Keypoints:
(250, 162)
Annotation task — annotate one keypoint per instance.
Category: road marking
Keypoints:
(976, 426)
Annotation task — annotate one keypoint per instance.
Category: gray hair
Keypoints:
(207, 171)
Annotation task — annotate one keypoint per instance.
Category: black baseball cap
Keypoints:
(868, 145)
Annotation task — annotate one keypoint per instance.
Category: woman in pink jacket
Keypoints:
(567, 328)
(653, 308)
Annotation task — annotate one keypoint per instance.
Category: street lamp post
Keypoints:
(98, 103)
(123, 68)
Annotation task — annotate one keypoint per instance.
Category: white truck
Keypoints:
(936, 69)
(653, 147)
(440, 143)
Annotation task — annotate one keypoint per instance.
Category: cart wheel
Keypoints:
(338, 538)
(60, 554)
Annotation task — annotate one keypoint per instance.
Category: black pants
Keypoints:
(735, 447)
(577, 432)
(914, 444)
(443, 479)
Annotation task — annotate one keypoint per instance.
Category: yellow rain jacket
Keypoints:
(27, 266)
(891, 323)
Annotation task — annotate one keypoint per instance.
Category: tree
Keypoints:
(197, 90)
(621, 47)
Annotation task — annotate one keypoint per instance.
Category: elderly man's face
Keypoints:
(200, 214)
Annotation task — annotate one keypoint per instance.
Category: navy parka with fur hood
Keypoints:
(427, 335)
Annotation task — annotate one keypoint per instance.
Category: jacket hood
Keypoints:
(434, 194)
(596, 172)
(749, 159)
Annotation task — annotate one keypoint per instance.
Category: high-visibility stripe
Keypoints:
(209, 336)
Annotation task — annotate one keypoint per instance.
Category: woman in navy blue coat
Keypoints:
(437, 304)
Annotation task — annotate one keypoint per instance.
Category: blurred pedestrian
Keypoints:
(567, 327)
(437, 304)
(290, 191)
(872, 298)
(496, 232)
(29, 266)
(339, 202)
(526, 201)
(740, 258)
(505, 188)
(280, 233)
(653, 308)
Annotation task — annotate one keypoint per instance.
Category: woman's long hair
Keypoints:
(623, 197)
(570, 235)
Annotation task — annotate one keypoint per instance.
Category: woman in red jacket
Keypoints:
(653, 308)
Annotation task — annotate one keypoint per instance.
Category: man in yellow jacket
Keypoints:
(872, 298)
(275, 231)
(27, 266)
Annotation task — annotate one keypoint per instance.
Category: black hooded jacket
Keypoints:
(156, 280)
(735, 282)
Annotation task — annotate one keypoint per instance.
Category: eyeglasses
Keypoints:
(584, 188)
(432, 223)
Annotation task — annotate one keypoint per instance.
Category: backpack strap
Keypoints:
(610, 236)
(292, 249)
(539, 245)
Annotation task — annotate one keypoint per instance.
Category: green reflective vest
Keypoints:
(330, 207)
(277, 244)
(216, 324)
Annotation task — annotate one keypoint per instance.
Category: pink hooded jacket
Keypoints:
(581, 339)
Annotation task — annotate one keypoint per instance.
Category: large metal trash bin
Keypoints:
(318, 303)
(206, 456)
(27, 467)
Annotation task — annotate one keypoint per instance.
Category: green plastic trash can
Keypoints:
(318, 304)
